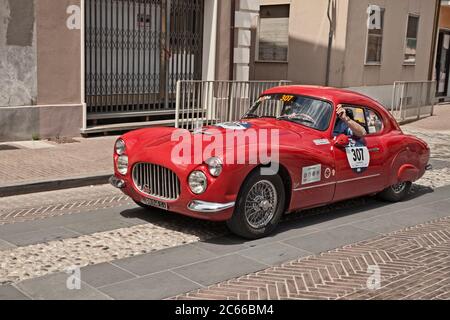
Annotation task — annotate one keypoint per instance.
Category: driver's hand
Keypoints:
(341, 113)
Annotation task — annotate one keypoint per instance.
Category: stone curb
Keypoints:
(52, 185)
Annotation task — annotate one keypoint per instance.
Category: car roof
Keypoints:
(334, 95)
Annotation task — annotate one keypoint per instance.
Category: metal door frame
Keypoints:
(442, 32)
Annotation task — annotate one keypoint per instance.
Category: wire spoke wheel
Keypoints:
(261, 204)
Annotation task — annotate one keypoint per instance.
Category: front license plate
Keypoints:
(155, 203)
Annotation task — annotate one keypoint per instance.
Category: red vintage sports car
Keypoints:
(319, 160)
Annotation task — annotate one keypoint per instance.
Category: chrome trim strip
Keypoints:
(336, 182)
(360, 178)
(209, 207)
(317, 186)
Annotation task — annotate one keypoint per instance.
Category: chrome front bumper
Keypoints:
(209, 207)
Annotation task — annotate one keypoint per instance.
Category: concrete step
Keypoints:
(127, 126)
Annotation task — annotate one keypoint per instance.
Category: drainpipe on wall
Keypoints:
(330, 44)
(434, 41)
(233, 10)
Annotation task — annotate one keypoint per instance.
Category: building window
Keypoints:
(375, 42)
(411, 39)
(273, 33)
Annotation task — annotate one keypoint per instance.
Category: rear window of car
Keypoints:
(374, 122)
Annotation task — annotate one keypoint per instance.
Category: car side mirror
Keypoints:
(342, 141)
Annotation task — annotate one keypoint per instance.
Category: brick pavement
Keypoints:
(28, 213)
(87, 157)
(414, 263)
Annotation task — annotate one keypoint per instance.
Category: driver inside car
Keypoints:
(347, 125)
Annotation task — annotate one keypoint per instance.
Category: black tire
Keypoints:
(144, 206)
(396, 193)
(150, 209)
(239, 223)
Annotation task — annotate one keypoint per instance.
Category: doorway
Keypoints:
(443, 64)
(135, 52)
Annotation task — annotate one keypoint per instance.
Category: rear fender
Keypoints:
(408, 172)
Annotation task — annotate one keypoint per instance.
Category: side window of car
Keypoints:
(374, 122)
(357, 114)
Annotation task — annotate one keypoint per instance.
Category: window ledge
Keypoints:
(271, 61)
(409, 64)
(371, 64)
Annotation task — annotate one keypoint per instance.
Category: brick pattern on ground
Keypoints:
(30, 207)
(414, 264)
(54, 210)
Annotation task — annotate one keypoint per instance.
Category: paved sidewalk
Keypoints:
(42, 161)
(440, 121)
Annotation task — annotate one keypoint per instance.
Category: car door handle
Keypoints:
(374, 150)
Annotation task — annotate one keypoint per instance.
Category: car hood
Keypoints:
(287, 130)
(161, 141)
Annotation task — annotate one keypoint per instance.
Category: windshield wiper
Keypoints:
(251, 116)
(271, 117)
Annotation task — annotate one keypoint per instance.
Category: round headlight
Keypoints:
(120, 147)
(198, 182)
(215, 166)
(122, 165)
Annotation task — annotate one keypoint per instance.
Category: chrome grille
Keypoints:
(156, 181)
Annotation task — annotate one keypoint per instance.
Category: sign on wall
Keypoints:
(73, 22)
(373, 17)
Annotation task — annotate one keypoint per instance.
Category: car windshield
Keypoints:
(306, 111)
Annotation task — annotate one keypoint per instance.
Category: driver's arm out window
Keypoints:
(358, 115)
